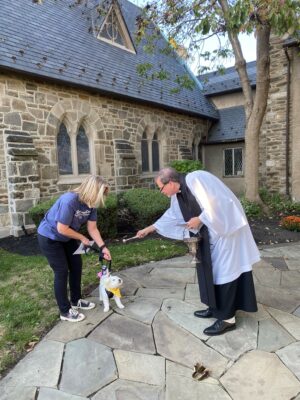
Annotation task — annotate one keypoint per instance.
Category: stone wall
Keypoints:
(30, 115)
(273, 135)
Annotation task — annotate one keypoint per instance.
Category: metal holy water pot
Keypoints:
(193, 243)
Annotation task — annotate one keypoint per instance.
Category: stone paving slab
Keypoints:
(139, 367)
(54, 394)
(272, 336)
(17, 393)
(181, 386)
(127, 390)
(192, 291)
(120, 332)
(290, 280)
(290, 355)
(183, 315)
(100, 372)
(261, 376)
(182, 275)
(141, 309)
(283, 299)
(41, 367)
(290, 322)
(235, 343)
(162, 293)
(66, 332)
(268, 276)
(178, 345)
(260, 315)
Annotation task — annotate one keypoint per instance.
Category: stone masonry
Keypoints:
(30, 115)
(274, 159)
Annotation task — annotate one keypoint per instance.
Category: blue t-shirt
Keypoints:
(67, 210)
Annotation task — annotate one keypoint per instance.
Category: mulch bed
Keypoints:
(266, 231)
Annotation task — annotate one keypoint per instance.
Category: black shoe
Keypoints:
(203, 313)
(219, 327)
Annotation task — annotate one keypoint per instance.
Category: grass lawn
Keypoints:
(27, 305)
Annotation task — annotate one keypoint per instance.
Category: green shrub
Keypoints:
(106, 217)
(185, 166)
(251, 209)
(145, 205)
(279, 203)
(37, 212)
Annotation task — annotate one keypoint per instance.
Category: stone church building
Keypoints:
(72, 102)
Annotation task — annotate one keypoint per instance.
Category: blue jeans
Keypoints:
(65, 266)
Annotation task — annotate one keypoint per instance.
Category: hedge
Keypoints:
(145, 205)
(106, 217)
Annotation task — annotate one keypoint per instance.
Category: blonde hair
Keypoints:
(92, 191)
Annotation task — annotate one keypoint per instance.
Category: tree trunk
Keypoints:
(256, 114)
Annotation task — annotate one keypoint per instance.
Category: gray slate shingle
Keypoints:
(54, 41)
(217, 83)
(230, 127)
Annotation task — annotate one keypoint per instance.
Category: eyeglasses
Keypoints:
(162, 188)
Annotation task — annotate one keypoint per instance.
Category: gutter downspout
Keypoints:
(287, 126)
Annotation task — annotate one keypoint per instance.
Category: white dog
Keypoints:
(110, 283)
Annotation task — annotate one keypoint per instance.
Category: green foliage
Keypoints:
(251, 209)
(143, 69)
(145, 205)
(279, 204)
(106, 217)
(185, 166)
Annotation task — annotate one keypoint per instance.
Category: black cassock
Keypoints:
(190, 208)
(223, 299)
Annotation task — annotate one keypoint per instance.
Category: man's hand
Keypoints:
(194, 223)
(144, 232)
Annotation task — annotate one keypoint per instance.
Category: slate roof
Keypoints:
(54, 41)
(217, 83)
(230, 127)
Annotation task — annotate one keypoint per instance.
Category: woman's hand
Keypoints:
(193, 223)
(85, 241)
(106, 253)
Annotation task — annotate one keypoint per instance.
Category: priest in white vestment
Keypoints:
(201, 200)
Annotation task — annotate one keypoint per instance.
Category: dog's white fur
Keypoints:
(108, 282)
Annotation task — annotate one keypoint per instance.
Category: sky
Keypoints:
(248, 44)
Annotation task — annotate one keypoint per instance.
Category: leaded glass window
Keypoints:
(233, 162)
(111, 29)
(83, 153)
(155, 153)
(64, 151)
(145, 153)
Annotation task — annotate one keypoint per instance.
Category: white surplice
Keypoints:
(233, 249)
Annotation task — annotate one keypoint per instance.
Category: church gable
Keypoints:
(114, 29)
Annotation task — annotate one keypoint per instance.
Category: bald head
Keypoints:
(168, 174)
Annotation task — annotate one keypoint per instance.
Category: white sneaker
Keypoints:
(72, 316)
(83, 305)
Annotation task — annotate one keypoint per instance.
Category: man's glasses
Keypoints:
(162, 188)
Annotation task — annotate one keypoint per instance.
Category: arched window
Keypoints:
(145, 153)
(73, 152)
(155, 153)
(150, 150)
(197, 149)
(64, 151)
(83, 152)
